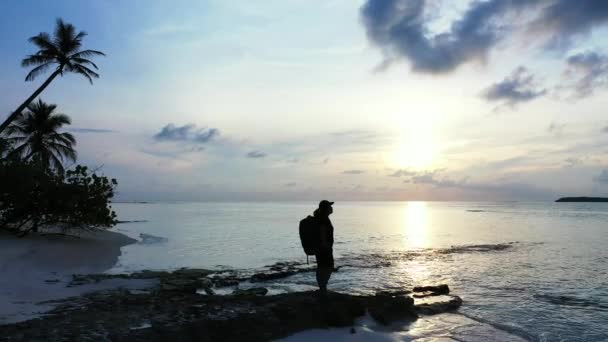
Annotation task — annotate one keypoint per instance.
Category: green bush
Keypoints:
(33, 198)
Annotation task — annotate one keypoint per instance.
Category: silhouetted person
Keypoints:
(324, 255)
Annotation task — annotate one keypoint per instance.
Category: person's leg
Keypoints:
(321, 273)
(326, 270)
(320, 277)
(325, 275)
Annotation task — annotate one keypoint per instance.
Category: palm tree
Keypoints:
(35, 136)
(62, 51)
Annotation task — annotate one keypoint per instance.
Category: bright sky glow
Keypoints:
(309, 103)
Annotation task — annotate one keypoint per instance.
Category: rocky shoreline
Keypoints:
(183, 306)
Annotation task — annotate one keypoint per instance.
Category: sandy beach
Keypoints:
(37, 268)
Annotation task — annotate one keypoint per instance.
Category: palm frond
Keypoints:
(84, 71)
(36, 59)
(88, 53)
(37, 132)
(58, 120)
(63, 35)
(65, 152)
(20, 151)
(44, 42)
(50, 159)
(17, 139)
(17, 126)
(88, 71)
(61, 144)
(63, 49)
(66, 37)
(38, 108)
(82, 61)
(64, 138)
(80, 35)
(37, 71)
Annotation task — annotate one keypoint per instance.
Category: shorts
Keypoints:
(325, 259)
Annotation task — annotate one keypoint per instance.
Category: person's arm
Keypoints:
(324, 241)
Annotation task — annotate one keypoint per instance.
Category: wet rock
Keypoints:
(175, 311)
(225, 282)
(393, 292)
(117, 315)
(259, 277)
(439, 305)
(192, 272)
(181, 285)
(280, 266)
(387, 308)
(207, 284)
(148, 239)
(255, 291)
(436, 289)
(78, 279)
(147, 274)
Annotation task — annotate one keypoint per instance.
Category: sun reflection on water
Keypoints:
(416, 225)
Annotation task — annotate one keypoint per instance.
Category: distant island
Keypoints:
(582, 199)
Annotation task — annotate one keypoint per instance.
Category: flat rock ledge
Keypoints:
(177, 311)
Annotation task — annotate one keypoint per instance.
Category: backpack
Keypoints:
(310, 235)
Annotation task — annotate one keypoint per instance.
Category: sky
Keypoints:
(338, 99)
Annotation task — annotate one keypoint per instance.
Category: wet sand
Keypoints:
(37, 268)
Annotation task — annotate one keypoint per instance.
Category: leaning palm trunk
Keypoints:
(17, 112)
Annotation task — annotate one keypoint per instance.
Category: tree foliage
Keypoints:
(35, 135)
(34, 198)
(63, 51)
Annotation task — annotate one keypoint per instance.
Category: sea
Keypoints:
(533, 271)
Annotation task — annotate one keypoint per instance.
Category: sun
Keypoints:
(417, 147)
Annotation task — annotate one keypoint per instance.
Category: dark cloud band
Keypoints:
(519, 87)
(400, 28)
(587, 71)
(256, 154)
(186, 133)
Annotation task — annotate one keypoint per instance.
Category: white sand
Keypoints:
(26, 264)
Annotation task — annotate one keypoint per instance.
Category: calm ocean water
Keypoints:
(550, 282)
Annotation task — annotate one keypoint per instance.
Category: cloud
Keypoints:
(498, 189)
(566, 20)
(204, 136)
(402, 172)
(519, 87)
(256, 154)
(430, 177)
(353, 172)
(400, 28)
(90, 130)
(586, 72)
(573, 161)
(555, 128)
(186, 133)
(363, 137)
(602, 178)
